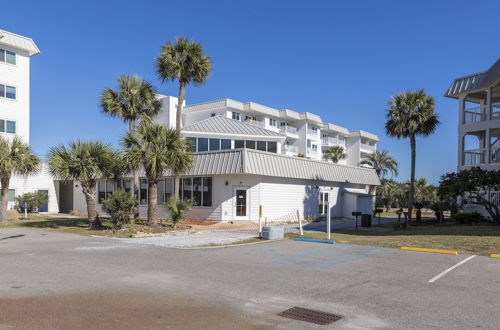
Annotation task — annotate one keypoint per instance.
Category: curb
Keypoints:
(497, 256)
(406, 248)
(314, 240)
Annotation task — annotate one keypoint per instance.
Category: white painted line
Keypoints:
(437, 277)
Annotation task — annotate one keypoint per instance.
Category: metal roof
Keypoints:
(474, 81)
(20, 42)
(248, 161)
(224, 125)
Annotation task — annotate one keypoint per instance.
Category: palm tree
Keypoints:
(86, 162)
(334, 153)
(411, 114)
(16, 158)
(157, 149)
(135, 99)
(185, 62)
(382, 162)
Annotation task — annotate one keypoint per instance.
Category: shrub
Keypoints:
(13, 215)
(120, 206)
(178, 209)
(469, 218)
(34, 200)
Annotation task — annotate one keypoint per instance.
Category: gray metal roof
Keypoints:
(248, 161)
(224, 125)
(474, 81)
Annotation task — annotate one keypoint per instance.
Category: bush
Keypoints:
(178, 209)
(34, 200)
(469, 218)
(120, 206)
(13, 215)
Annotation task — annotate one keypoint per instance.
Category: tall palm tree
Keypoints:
(334, 153)
(86, 162)
(134, 99)
(16, 158)
(185, 62)
(157, 150)
(382, 162)
(411, 114)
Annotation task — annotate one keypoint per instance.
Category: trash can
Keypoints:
(366, 220)
(273, 233)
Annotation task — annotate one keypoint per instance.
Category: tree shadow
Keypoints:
(13, 236)
(54, 223)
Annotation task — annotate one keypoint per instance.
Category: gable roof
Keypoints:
(474, 81)
(18, 41)
(224, 125)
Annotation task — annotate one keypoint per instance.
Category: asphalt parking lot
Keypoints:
(62, 281)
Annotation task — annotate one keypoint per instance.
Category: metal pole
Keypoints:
(300, 224)
(356, 222)
(328, 224)
(260, 221)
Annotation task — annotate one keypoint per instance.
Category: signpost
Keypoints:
(378, 211)
(328, 224)
(356, 214)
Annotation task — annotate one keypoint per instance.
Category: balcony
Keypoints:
(312, 151)
(366, 146)
(291, 150)
(495, 111)
(473, 157)
(474, 115)
(495, 155)
(288, 130)
(252, 122)
(333, 141)
(312, 133)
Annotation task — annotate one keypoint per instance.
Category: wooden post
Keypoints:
(260, 221)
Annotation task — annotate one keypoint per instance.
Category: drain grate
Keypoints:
(309, 315)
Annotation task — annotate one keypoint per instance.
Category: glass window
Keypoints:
(110, 188)
(272, 122)
(207, 191)
(11, 126)
(2, 125)
(250, 144)
(101, 191)
(214, 144)
(143, 191)
(160, 191)
(10, 57)
(169, 187)
(10, 92)
(186, 188)
(197, 191)
(2, 55)
(239, 144)
(225, 144)
(192, 144)
(272, 147)
(11, 195)
(2, 90)
(202, 144)
(127, 185)
(236, 116)
(261, 145)
(314, 147)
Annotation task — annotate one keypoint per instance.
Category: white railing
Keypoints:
(474, 115)
(473, 157)
(495, 111)
(333, 141)
(367, 146)
(291, 149)
(288, 129)
(312, 151)
(252, 122)
(311, 132)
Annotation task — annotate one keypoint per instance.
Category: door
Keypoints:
(44, 207)
(241, 204)
(323, 203)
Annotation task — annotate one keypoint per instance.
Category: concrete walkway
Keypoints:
(344, 224)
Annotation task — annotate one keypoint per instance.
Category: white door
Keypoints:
(323, 203)
(241, 203)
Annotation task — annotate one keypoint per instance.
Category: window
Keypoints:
(272, 122)
(202, 144)
(187, 188)
(261, 145)
(250, 144)
(225, 144)
(213, 114)
(192, 144)
(198, 190)
(314, 147)
(239, 144)
(104, 190)
(127, 185)
(8, 91)
(164, 190)
(315, 129)
(207, 192)
(143, 191)
(272, 147)
(214, 144)
(11, 127)
(7, 56)
(236, 116)
(11, 195)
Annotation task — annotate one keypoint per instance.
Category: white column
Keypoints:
(487, 146)
(460, 135)
(487, 108)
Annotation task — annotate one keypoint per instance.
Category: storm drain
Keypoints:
(309, 315)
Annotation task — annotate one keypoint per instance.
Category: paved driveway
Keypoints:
(53, 280)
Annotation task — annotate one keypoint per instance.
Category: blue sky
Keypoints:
(340, 59)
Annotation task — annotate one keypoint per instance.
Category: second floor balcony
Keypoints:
(291, 150)
(367, 146)
(479, 113)
(312, 133)
(253, 122)
(333, 141)
(473, 157)
(287, 130)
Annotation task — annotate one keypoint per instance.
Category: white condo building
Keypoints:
(15, 54)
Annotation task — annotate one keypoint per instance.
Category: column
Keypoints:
(460, 135)
(487, 108)
(487, 146)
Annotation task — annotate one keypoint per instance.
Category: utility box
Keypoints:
(273, 233)
(366, 220)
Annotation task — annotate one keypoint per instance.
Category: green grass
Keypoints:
(477, 239)
(80, 226)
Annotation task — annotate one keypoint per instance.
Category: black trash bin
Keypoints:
(366, 220)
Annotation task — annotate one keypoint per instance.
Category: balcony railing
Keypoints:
(474, 115)
(288, 129)
(473, 157)
(495, 111)
(333, 141)
(495, 155)
(311, 132)
(312, 151)
(291, 149)
(253, 122)
(367, 146)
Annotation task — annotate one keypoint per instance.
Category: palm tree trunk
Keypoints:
(180, 101)
(89, 193)
(4, 198)
(152, 203)
(131, 129)
(413, 147)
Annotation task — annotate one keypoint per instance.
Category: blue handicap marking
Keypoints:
(328, 257)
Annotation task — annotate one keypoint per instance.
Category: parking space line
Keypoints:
(437, 277)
